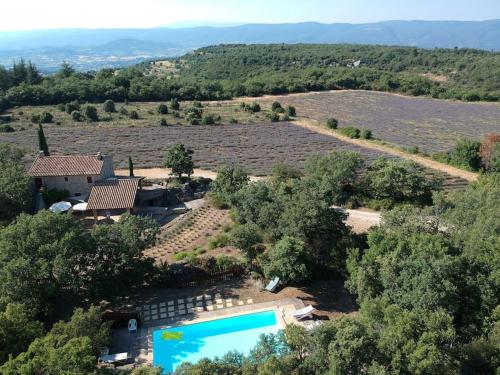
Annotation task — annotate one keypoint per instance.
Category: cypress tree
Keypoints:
(42, 142)
(130, 167)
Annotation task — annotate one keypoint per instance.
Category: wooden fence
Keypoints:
(202, 277)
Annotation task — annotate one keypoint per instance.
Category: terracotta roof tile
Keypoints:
(113, 193)
(71, 165)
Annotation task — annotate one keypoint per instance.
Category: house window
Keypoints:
(65, 179)
(89, 179)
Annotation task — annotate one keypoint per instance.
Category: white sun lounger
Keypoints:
(113, 358)
(273, 284)
(303, 313)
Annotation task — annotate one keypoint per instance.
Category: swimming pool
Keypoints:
(192, 342)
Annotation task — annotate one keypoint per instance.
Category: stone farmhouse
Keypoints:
(89, 178)
(73, 173)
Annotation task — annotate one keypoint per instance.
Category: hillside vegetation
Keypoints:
(444, 73)
(227, 71)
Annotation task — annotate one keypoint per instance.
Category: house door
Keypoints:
(38, 183)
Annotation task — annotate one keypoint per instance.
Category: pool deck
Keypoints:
(140, 345)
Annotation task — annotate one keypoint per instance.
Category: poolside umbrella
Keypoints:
(60, 207)
(80, 207)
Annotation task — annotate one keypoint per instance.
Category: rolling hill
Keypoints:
(90, 47)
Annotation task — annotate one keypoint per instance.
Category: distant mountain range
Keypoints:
(96, 48)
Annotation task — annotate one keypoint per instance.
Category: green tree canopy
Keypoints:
(287, 260)
(228, 182)
(335, 172)
(399, 181)
(48, 256)
(15, 195)
(179, 159)
(246, 237)
(69, 348)
(17, 330)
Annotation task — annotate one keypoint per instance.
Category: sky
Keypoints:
(52, 14)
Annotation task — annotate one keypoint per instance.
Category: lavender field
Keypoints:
(256, 147)
(429, 124)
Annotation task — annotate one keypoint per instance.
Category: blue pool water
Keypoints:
(215, 338)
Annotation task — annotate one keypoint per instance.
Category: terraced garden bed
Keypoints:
(189, 233)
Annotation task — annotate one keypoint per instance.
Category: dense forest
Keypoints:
(227, 71)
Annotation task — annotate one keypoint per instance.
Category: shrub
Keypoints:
(72, 106)
(61, 107)
(163, 109)
(221, 240)
(197, 104)
(6, 128)
(91, 113)
(291, 111)
(180, 256)
(350, 132)
(134, 115)
(274, 117)
(490, 152)
(225, 261)
(466, 154)
(365, 134)
(276, 107)
(286, 118)
(35, 119)
(254, 107)
(163, 122)
(174, 104)
(109, 106)
(77, 116)
(46, 117)
(233, 121)
(123, 111)
(332, 123)
(208, 120)
(193, 112)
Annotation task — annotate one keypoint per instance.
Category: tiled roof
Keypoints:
(72, 165)
(113, 193)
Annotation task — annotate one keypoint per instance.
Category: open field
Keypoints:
(147, 111)
(431, 125)
(256, 147)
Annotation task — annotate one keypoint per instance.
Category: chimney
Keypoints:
(41, 153)
(99, 156)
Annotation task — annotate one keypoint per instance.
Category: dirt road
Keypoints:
(361, 219)
(452, 171)
(160, 173)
